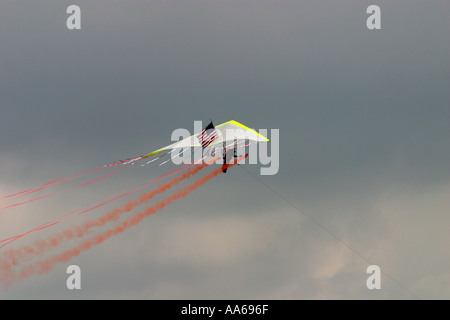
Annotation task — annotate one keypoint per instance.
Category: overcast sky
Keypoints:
(363, 117)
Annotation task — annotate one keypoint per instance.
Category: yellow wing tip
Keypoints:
(152, 153)
(244, 127)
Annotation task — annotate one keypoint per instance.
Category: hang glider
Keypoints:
(228, 131)
(212, 135)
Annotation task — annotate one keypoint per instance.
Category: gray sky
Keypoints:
(364, 143)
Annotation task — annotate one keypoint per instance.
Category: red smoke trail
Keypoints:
(97, 204)
(8, 276)
(15, 256)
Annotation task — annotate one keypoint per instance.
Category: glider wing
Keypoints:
(227, 131)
